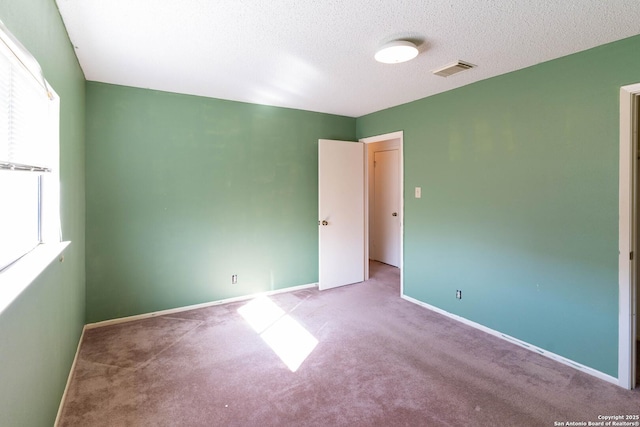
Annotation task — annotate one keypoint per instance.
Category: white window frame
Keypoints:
(19, 275)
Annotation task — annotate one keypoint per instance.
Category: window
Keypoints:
(29, 187)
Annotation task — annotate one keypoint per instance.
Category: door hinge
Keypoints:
(631, 256)
(375, 163)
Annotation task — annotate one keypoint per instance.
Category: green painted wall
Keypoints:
(39, 332)
(519, 207)
(184, 191)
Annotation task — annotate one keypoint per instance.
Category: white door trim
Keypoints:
(369, 140)
(627, 169)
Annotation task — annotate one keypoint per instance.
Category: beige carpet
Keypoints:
(378, 361)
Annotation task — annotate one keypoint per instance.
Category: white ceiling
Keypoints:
(318, 55)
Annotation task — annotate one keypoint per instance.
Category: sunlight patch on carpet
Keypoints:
(289, 340)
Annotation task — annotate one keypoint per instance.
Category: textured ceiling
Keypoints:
(318, 55)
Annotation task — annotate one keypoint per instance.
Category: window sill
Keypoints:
(15, 279)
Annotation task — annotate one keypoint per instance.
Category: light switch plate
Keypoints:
(418, 192)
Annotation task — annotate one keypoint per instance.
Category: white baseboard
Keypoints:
(71, 371)
(531, 347)
(195, 306)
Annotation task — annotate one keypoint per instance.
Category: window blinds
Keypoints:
(24, 113)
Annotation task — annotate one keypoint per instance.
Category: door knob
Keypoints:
(394, 214)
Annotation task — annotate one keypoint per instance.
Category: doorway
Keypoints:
(346, 218)
(629, 236)
(384, 202)
(384, 213)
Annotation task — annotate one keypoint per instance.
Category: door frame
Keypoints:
(369, 140)
(628, 241)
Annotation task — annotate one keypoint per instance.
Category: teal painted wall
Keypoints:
(519, 207)
(39, 332)
(184, 191)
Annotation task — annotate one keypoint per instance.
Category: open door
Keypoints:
(341, 213)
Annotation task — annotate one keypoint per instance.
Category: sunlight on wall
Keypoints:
(291, 342)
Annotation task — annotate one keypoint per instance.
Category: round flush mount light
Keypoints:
(396, 51)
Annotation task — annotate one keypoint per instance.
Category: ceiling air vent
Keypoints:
(453, 68)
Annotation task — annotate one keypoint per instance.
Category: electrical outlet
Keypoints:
(459, 294)
(234, 279)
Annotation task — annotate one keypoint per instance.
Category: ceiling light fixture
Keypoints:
(396, 51)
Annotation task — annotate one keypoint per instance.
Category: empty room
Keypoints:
(356, 213)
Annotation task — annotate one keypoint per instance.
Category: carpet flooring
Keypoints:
(372, 359)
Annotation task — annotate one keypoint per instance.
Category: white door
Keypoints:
(386, 207)
(341, 213)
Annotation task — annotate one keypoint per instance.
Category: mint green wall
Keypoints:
(519, 207)
(184, 191)
(39, 332)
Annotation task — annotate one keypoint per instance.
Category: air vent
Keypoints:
(453, 68)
